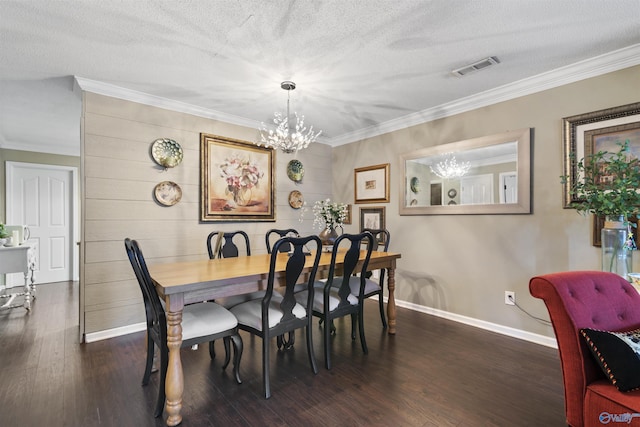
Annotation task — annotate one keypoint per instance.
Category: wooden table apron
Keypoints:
(188, 282)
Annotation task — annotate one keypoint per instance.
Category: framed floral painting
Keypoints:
(236, 180)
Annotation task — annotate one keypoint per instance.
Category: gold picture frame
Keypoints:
(371, 184)
(237, 180)
(585, 134)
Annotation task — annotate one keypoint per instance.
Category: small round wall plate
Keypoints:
(295, 170)
(168, 193)
(415, 185)
(295, 199)
(166, 152)
(452, 193)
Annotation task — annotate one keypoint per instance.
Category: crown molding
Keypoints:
(114, 91)
(593, 67)
(47, 148)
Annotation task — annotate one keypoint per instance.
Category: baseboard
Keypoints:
(494, 327)
(115, 332)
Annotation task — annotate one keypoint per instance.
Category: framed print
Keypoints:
(236, 180)
(586, 134)
(372, 218)
(347, 220)
(372, 184)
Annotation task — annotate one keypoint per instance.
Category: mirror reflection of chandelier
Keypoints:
(450, 168)
(281, 138)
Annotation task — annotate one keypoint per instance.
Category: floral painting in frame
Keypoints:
(236, 180)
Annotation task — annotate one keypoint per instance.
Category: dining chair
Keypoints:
(276, 314)
(201, 322)
(221, 244)
(372, 287)
(275, 234)
(334, 298)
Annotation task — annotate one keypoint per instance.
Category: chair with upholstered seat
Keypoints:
(372, 287)
(276, 314)
(201, 322)
(590, 312)
(225, 243)
(274, 235)
(334, 298)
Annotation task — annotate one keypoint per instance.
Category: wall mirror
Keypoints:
(486, 175)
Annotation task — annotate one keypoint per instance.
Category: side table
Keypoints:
(19, 259)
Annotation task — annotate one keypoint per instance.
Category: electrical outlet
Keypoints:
(509, 297)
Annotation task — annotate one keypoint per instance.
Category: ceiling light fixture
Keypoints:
(450, 168)
(281, 138)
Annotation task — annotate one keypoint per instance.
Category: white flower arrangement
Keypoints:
(328, 214)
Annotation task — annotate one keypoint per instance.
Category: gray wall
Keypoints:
(462, 264)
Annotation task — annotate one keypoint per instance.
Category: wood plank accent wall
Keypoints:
(118, 179)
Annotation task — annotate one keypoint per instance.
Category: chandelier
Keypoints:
(282, 138)
(450, 168)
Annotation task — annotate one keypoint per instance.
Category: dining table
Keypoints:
(186, 282)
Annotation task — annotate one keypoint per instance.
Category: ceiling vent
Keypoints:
(468, 69)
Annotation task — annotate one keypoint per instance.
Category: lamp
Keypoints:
(281, 138)
(450, 168)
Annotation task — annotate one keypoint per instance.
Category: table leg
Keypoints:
(391, 302)
(27, 292)
(174, 386)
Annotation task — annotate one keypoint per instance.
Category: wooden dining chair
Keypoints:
(373, 287)
(225, 243)
(274, 235)
(276, 314)
(334, 298)
(201, 322)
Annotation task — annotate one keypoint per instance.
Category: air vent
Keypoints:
(467, 69)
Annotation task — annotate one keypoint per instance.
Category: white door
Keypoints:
(476, 190)
(42, 197)
(508, 187)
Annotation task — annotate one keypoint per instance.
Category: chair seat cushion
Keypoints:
(250, 313)
(618, 354)
(232, 301)
(318, 298)
(369, 285)
(206, 318)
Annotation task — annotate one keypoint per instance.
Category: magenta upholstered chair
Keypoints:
(595, 300)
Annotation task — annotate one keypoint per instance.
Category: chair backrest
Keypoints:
(271, 235)
(381, 237)
(227, 248)
(156, 317)
(351, 258)
(293, 270)
(584, 299)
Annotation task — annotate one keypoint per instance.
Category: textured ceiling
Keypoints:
(358, 64)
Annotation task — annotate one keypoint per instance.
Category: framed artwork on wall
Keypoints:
(347, 220)
(236, 180)
(371, 184)
(374, 218)
(587, 134)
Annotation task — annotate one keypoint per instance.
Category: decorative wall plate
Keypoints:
(295, 170)
(295, 199)
(166, 152)
(168, 193)
(415, 185)
(452, 193)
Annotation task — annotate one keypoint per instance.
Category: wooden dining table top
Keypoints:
(186, 276)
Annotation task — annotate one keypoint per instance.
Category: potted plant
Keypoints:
(607, 186)
(329, 215)
(3, 234)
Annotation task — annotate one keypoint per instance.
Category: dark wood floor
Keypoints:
(434, 372)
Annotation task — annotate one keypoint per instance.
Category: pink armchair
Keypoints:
(597, 300)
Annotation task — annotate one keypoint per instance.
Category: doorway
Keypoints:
(44, 198)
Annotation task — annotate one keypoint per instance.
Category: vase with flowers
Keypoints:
(328, 215)
(607, 186)
(240, 175)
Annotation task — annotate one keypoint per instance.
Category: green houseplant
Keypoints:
(607, 185)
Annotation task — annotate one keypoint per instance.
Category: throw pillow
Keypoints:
(618, 354)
